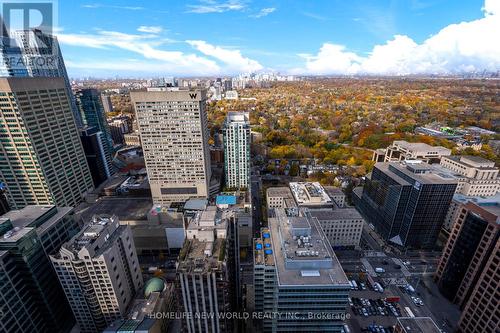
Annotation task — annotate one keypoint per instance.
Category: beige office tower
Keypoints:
(41, 156)
(174, 136)
(99, 272)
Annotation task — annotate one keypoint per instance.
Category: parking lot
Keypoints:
(372, 310)
(375, 311)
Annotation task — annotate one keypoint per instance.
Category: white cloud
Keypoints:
(210, 60)
(331, 58)
(99, 5)
(212, 6)
(150, 29)
(234, 60)
(144, 45)
(315, 16)
(263, 12)
(491, 7)
(462, 47)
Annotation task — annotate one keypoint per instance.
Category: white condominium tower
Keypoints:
(237, 149)
(41, 156)
(174, 136)
(99, 272)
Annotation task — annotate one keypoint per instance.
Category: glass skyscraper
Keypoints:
(406, 202)
(91, 110)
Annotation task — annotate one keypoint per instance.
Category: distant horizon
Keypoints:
(465, 75)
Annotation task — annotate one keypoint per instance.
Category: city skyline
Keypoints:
(207, 37)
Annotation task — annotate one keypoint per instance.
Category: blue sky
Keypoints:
(220, 37)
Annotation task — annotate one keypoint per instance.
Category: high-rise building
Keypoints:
(97, 159)
(298, 276)
(99, 272)
(41, 157)
(116, 134)
(119, 126)
(89, 104)
(455, 208)
(207, 282)
(41, 57)
(106, 103)
(406, 202)
(468, 271)
(174, 137)
(32, 299)
(237, 149)
(10, 52)
(4, 204)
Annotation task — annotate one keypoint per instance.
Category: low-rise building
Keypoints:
(231, 94)
(343, 226)
(132, 139)
(403, 150)
(280, 197)
(150, 312)
(311, 195)
(336, 194)
(476, 176)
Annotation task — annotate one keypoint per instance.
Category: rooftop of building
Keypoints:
(209, 219)
(418, 325)
(299, 249)
(478, 200)
(125, 208)
(201, 257)
(142, 307)
(138, 316)
(420, 146)
(138, 181)
(279, 192)
(419, 171)
(225, 200)
(474, 162)
(238, 117)
(489, 212)
(168, 95)
(15, 234)
(196, 204)
(96, 236)
(29, 214)
(310, 193)
(333, 190)
(336, 214)
(41, 217)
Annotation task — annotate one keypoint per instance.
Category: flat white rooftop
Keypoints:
(307, 193)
